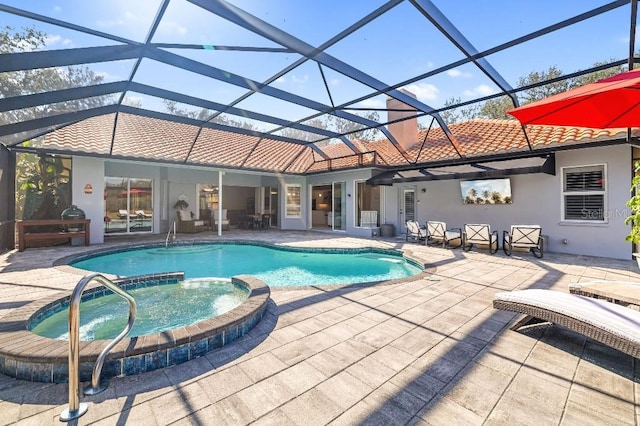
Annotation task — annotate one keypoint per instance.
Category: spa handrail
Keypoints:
(172, 228)
(76, 409)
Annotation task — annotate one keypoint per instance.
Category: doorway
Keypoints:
(328, 206)
(407, 206)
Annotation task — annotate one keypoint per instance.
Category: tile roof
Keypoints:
(154, 139)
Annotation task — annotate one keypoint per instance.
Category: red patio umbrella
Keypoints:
(608, 103)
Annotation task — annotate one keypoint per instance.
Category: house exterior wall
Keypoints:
(537, 200)
(7, 193)
(89, 171)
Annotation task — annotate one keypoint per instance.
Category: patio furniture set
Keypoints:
(519, 237)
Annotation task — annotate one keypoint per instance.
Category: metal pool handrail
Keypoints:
(77, 409)
(173, 228)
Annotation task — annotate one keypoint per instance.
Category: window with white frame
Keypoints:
(583, 193)
(294, 208)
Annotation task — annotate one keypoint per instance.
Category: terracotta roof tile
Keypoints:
(222, 148)
(92, 135)
(144, 137)
(148, 138)
(273, 155)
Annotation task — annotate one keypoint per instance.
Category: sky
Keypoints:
(397, 46)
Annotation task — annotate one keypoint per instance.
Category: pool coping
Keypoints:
(28, 356)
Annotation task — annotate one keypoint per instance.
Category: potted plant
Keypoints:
(634, 216)
(181, 203)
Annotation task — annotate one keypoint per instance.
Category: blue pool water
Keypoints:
(276, 267)
(159, 308)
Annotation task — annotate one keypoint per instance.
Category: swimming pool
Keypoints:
(159, 308)
(276, 266)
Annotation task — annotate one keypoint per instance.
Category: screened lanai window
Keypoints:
(584, 193)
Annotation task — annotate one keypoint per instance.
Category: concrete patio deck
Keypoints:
(425, 351)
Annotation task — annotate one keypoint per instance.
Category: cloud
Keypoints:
(424, 91)
(281, 80)
(299, 80)
(481, 90)
(52, 40)
(57, 9)
(172, 28)
(371, 103)
(457, 73)
(334, 82)
(106, 76)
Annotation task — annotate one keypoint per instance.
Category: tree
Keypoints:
(26, 82)
(455, 115)
(498, 107)
(42, 189)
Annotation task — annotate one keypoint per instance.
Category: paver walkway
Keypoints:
(426, 351)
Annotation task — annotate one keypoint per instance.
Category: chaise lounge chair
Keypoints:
(437, 233)
(523, 237)
(415, 232)
(123, 214)
(142, 214)
(608, 323)
(479, 234)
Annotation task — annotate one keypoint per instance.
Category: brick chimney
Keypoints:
(406, 131)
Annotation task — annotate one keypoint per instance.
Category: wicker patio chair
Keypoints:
(608, 323)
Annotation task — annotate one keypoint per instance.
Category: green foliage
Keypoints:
(26, 82)
(43, 187)
(634, 203)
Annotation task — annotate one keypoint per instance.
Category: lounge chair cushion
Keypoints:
(611, 324)
(185, 215)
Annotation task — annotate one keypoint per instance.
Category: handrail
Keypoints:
(76, 409)
(166, 241)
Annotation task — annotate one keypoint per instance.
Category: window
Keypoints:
(583, 193)
(293, 200)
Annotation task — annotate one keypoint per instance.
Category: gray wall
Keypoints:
(537, 200)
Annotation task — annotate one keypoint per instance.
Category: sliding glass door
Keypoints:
(128, 204)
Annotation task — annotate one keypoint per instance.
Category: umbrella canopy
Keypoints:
(608, 103)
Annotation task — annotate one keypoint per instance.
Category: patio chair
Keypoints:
(123, 214)
(224, 220)
(415, 231)
(185, 224)
(265, 221)
(523, 237)
(606, 322)
(479, 234)
(437, 233)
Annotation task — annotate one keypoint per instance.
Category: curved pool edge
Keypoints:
(27, 356)
(64, 263)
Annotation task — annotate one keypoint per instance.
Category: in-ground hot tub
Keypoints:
(26, 355)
